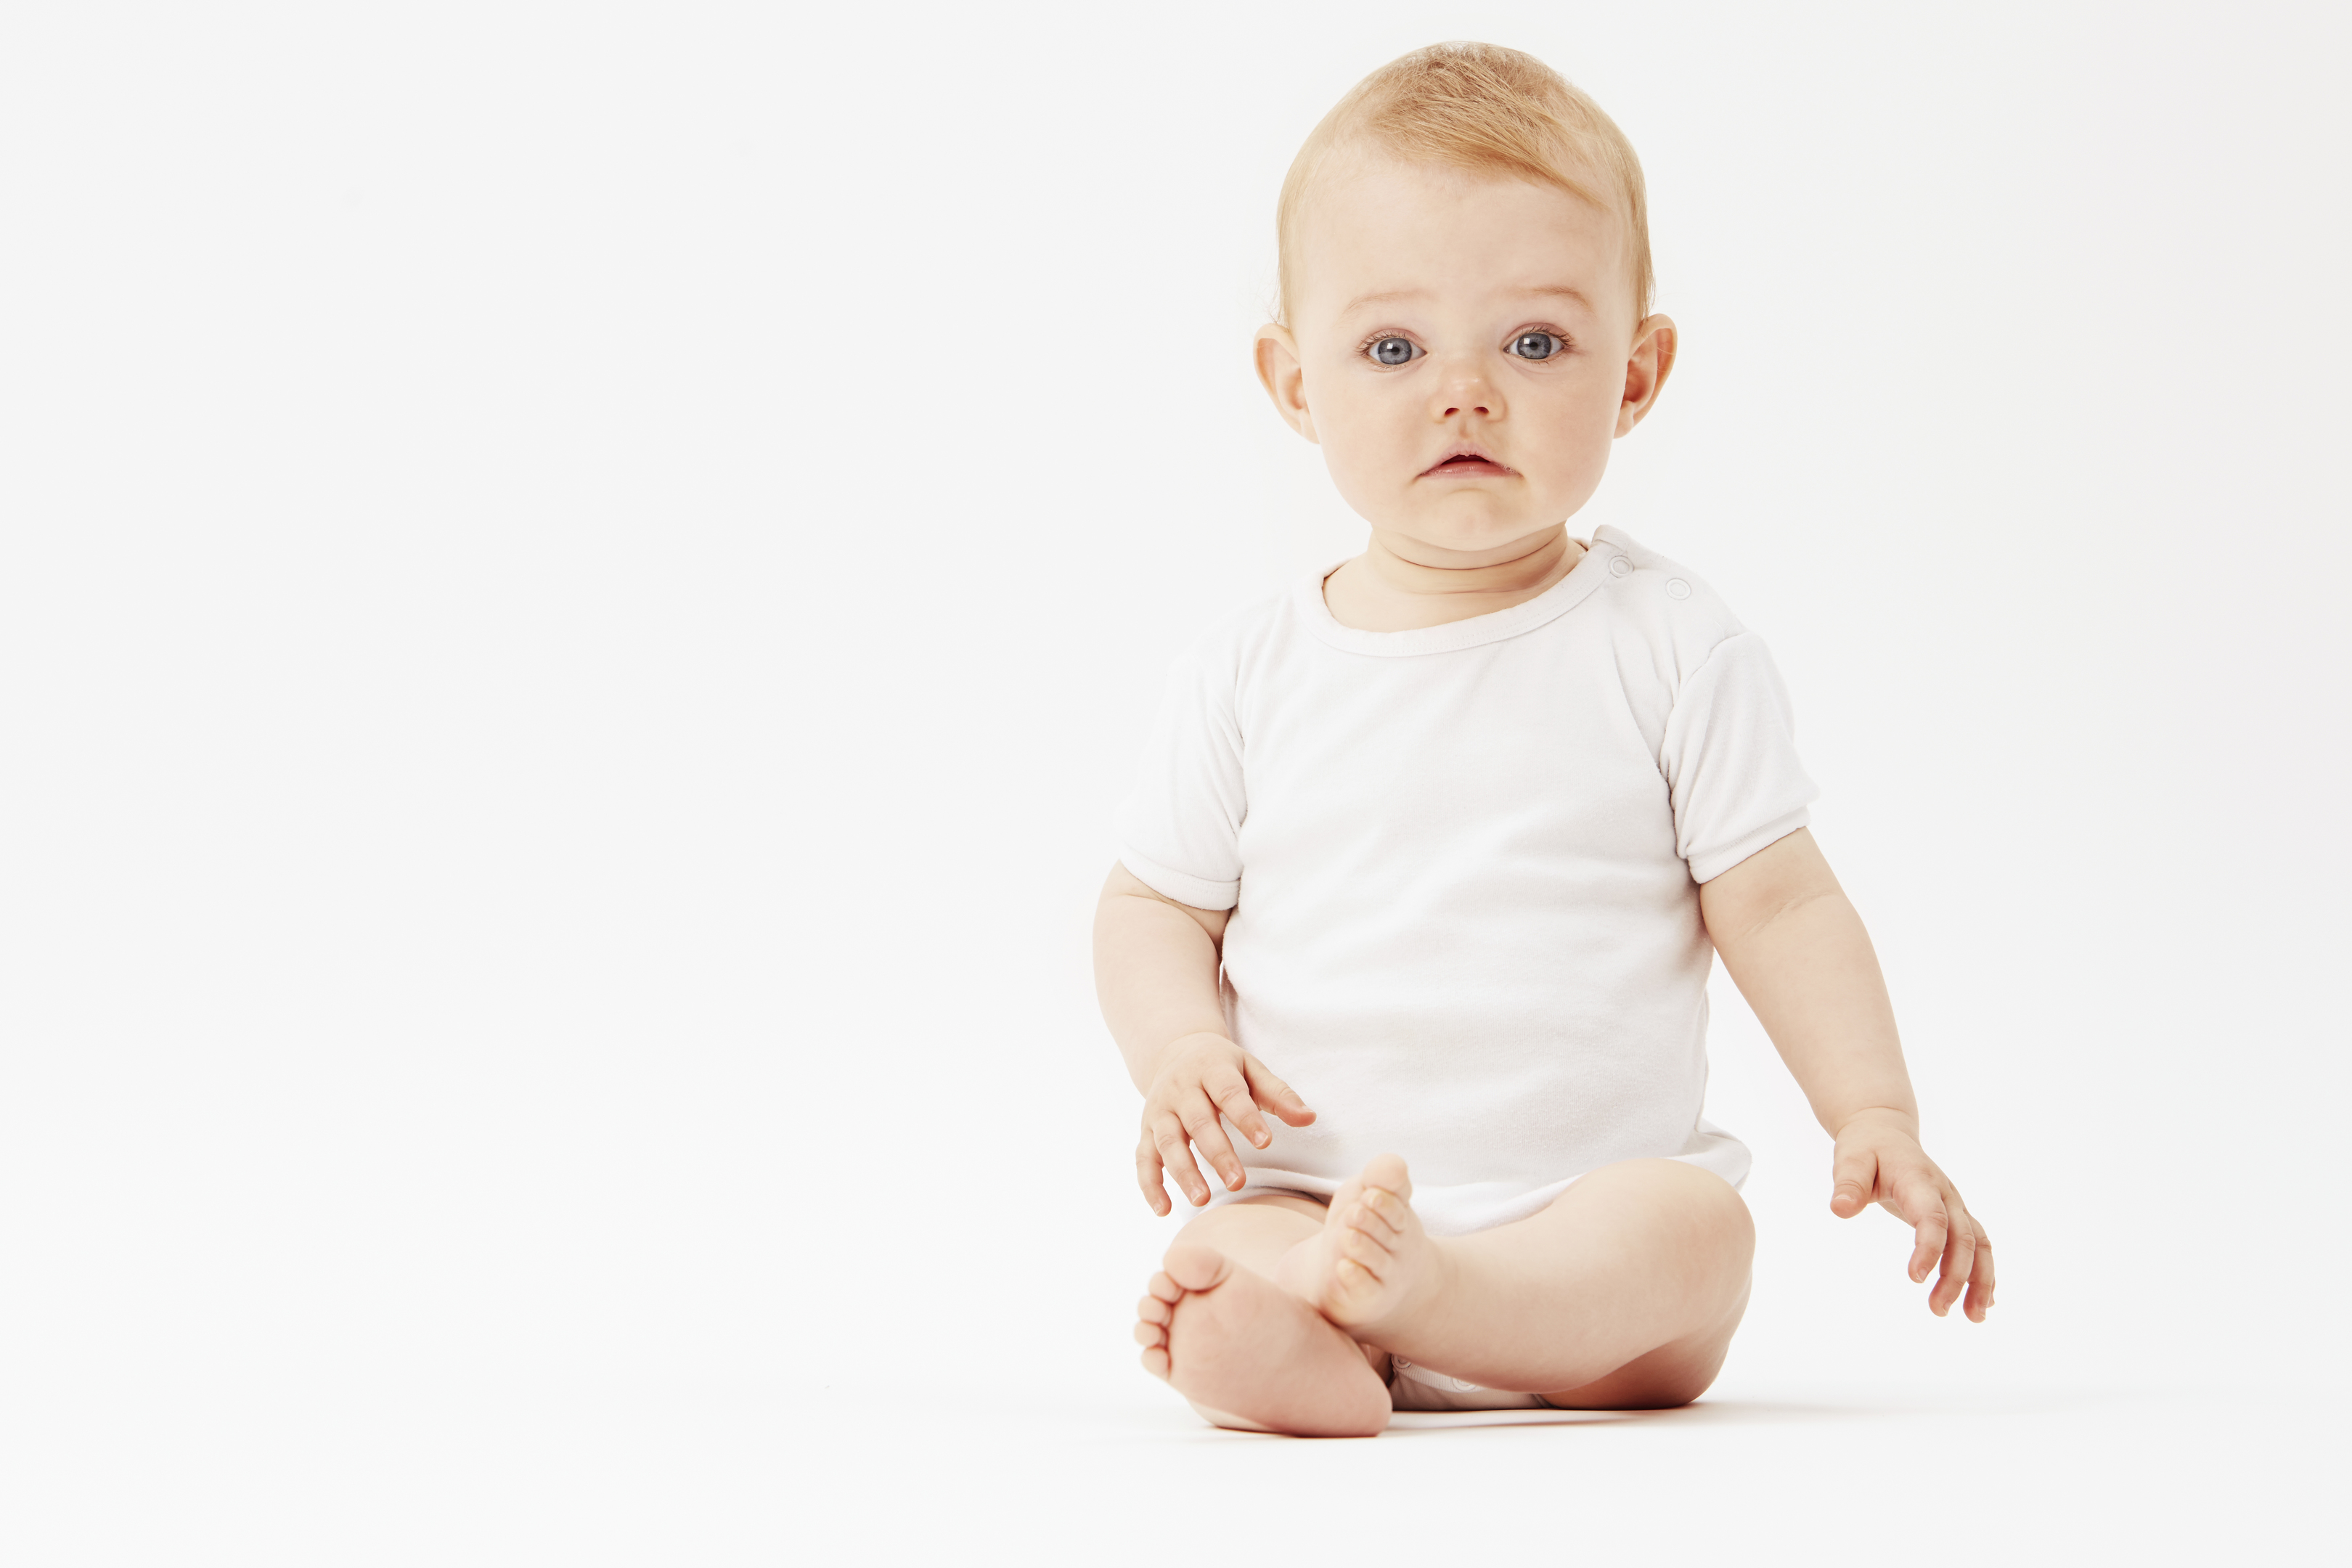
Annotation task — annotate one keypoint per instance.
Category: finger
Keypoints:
(1931, 1224)
(1273, 1094)
(1147, 1177)
(1854, 1176)
(1959, 1260)
(1981, 1280)
(1208, 1136)
(1168, 1137)
(1231, 1091)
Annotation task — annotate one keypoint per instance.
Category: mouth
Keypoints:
(1466, 462)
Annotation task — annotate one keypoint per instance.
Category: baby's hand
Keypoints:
(1200, 1076)
(1879, 1161)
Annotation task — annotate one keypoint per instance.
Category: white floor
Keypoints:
(2080, 1477)
(826, 1476)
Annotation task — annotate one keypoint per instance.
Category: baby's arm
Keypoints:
(1156, 971)
(1798, 950)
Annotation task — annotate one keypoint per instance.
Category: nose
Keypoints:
(1465, 389)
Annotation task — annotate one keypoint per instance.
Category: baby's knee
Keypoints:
(1254, 1233)
(1706, 1208)
(1721, 1208)
(1215, 1227)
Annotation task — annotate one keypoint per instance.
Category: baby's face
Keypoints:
(1464, 349)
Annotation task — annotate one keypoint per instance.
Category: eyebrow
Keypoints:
(1394, 294)
(1560, 291)
(1564, 291)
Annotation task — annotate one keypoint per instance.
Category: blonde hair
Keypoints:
(1488, 110)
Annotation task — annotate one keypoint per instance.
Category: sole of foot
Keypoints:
(1235, 1342)
(1372, 1262)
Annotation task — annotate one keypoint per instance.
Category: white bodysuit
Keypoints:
(1464, 866)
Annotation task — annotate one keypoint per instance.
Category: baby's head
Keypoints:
(1464, 301)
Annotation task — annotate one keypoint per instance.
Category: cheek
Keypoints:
(1360, 426)
(1569, 432)
(1580, 416)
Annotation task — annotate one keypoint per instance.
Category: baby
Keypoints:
(1444, 841)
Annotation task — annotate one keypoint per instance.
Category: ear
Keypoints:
(1283, 378)
(1646, 369)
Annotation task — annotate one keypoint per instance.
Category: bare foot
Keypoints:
(1372, 1263)
(1232, 1341)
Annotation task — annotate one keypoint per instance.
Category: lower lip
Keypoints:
(1467, 469)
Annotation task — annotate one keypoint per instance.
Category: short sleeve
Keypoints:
(1180, 828)
(1730, 759)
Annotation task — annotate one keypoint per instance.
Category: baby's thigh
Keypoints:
(1256, 1231)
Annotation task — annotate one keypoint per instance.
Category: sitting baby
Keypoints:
(1444, 841)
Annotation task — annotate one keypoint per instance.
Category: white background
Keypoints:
(577, 587)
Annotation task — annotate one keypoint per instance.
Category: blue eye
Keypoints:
(1535, 345)
(1393, 350)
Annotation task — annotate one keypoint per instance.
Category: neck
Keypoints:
(1399, 585)
(1528, 566)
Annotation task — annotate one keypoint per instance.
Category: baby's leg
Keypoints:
(1622, 1294)
(1245, 1352)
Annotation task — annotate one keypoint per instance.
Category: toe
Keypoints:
(1365, 1216)
(1392, 1210)
(1165, 1288)
(1357, 1247)
(1155, 1362)
(1387, 1173)
(1356, 1291)
(1194, 1268)
(1149, 1335)
(1341, 1201)
(1152, 1309)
